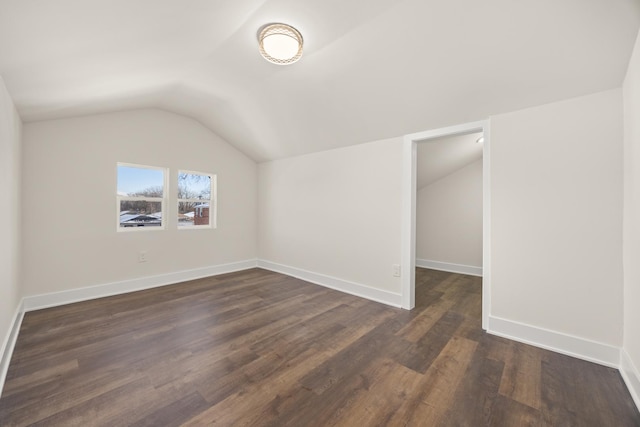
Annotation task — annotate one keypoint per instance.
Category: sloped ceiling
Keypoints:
(370, 70)
(440, 157)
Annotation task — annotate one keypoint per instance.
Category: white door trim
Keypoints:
(409, 168)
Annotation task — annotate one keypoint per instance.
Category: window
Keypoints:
(196, 200)
(141, 197)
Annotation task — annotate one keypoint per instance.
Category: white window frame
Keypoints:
(163, 200)
(213, 201)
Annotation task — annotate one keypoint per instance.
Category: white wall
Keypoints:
(10, 164)
(556, 191)
(631, 236)
(336, 213)
(449, 218)
(69, 200)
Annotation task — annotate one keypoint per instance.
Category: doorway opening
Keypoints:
(409, 198)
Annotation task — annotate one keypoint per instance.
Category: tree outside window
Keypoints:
(196, 200)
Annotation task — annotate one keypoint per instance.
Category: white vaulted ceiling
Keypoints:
(370, 70)
(443, 156)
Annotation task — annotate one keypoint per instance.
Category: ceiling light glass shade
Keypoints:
(280, 44)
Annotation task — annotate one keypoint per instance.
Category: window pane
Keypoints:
(194, 186)
(197, 188)
(140, 213)
(186, 212)
(133, 181)
(190, 214)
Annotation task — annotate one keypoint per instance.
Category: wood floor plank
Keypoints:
(420, 324)
(353, 358)
(441, 382)
(120, 406)
(40, 376)
(565, 379)
(420, 356)
(475, 397)
(258, 348)
(253, 398)
(521, 380)
(387, 396)
(176, 413)
(508, 412)
(300, 406)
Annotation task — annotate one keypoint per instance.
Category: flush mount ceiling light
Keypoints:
(280, 43)
(480, 140)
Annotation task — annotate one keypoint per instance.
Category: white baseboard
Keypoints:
(570, 345)
(38, 302)
(357, 289)
(450, 267)
(9, 344)
(631, 376)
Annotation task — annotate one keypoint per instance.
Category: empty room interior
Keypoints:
(313, 213)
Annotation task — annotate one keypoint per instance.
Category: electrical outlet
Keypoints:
(143, 256)
(396, 270)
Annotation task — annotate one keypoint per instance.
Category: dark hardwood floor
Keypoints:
(259, 348)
